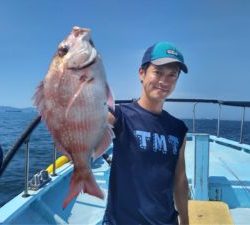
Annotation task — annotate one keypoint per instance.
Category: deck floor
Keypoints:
(229, 177)
(229, 181)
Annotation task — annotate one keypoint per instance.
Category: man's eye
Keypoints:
(173, 75)
(157, 72)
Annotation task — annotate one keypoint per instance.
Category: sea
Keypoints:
(13, 123)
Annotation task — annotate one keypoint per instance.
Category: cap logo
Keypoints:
(172, 52)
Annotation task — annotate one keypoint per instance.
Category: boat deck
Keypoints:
(45, 205)
(228, 181)
(228, 175)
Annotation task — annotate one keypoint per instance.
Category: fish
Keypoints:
(73, 101)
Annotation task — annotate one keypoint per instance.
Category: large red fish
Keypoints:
(73, 101)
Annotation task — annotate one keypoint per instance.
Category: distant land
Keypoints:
(14, 109)
(11, 109)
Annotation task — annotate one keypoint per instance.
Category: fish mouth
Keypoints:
(84, 66)
(89, 64)
(82, 60)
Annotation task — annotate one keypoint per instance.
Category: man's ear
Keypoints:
(141, 75)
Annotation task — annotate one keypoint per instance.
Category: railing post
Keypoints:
(201, 166)
(242, 124)
(218, 121)
(10, 154)
(26, 169)
(194, 119)
(54, 162)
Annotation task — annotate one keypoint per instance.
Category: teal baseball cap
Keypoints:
(162, 53)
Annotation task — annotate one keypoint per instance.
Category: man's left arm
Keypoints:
(181, 187)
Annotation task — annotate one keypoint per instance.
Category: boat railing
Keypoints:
(25, 136)
(220, 103)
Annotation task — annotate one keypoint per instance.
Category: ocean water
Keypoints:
(12, 124)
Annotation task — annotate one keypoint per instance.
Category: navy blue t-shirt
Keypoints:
(145, 153)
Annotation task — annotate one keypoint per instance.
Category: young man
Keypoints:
(148, 183)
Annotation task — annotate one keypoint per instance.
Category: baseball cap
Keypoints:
(162, 53)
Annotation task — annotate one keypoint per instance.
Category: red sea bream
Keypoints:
(73, 101)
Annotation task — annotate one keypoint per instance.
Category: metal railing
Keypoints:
(25, 136)
(242, 104)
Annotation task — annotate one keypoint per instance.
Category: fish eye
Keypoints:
(63, 50)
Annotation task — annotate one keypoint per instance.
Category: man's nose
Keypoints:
(167, 79)
(163, 83)
(164, 79)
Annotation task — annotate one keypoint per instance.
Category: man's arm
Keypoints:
(181, 187)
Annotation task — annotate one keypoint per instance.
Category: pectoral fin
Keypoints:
(110, 101)
(105, 142)
(38, 97)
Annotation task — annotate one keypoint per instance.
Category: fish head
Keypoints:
(77, 50)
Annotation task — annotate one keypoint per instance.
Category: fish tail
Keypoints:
(92, 188)
(82, 182)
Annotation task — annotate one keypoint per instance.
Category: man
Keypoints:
(148, 183)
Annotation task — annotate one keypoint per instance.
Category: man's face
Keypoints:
(159, 81)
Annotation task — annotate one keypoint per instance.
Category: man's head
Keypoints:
(163, 53)
(159, 71)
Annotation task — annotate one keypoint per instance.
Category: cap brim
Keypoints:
(163, 61)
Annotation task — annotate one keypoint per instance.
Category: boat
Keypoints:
(217, 170)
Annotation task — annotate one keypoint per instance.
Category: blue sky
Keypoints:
(213, 36)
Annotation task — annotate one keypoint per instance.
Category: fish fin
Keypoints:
(84, 80)
(105, 142)
(82, 182)
(75, 187)
(110, 102)
(92, 188)
(38, 98)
